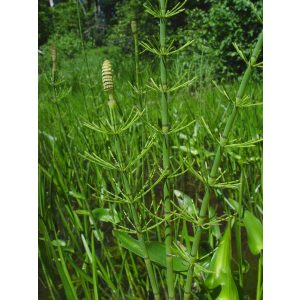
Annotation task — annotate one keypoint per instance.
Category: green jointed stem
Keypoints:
(216, 164)
(238, 236)
(166, 161)
(136, 221)
(137, 82)
(136, 57)
(259, 277)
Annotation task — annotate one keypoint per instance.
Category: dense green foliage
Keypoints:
(213, 25)
(45, 22)
(216, 28)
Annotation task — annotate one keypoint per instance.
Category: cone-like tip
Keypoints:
(53, 53)
(134, 27)
(107, 76)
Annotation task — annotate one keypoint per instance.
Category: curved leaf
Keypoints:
(129, 243)
(106, 215)
(185, 202)
(254, 232)
(156, 252)
(220, 263)
(229, 291)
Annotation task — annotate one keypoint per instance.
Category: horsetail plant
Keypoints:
(54, 60)
(166, 159)
(137, 88)
(239, 101)
(108, 88)
(164, 50)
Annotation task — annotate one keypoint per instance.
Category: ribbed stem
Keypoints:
(216, 164)
(138, 86)
(54, 62)
(136, 57)
(136, 221)
(166, 161)
(259, 277)
(238, 237)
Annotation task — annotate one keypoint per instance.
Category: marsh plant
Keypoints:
(146, 192)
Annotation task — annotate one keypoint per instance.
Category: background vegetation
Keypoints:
(213, 25)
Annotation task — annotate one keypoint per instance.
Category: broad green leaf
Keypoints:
(254, 232)
(229, 290)
(157, 254)
(185, 202)
(106, 215)
(220, 263)
(76, 195)
(128, 242)
(156, 251)
(102, 214)
(58, 242)
(63, 244)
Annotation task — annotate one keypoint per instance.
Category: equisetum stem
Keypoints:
(166, 161)
(136, 53)
(259, 285)
(216, 164)
(136, 221)
(136, 59)
(153, 199)
(138, 86)
(238, 233)
(54, 62)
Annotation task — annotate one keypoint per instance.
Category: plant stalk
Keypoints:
(136, 221)
(238, 234)
(259, 277)
(216, 164)
(137, 61)
(166, 160)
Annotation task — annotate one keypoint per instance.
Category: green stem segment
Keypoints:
(216, 164)
(238, 233)
(166, 160)
(259, 278)
(134, 214)
(136, 56)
